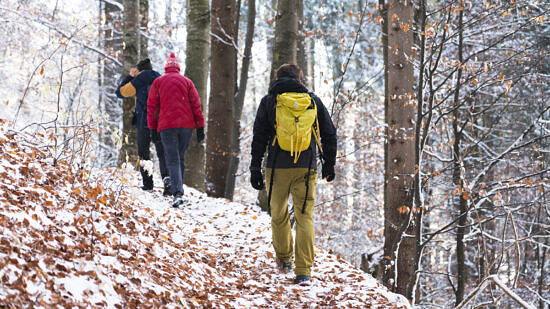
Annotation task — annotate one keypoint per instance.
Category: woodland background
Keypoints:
(442, 110)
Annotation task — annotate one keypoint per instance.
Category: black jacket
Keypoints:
(264, 131)
(138, 86)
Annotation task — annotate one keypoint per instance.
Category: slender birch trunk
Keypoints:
(459, 201)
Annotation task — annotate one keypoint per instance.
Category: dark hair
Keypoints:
(144, 64)
(291, 70)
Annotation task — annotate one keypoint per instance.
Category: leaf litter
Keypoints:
(74, 238)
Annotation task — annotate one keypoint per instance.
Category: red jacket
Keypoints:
(174, 103)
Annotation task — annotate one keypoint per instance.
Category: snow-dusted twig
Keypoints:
(515, 145)
(502, 286)
(229, 41)
(54, 27)
(348, 59)
(114, 3)
(518, 250)
(30, 80)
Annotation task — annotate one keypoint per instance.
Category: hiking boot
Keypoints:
(178, 199)
(284, 266)
(303, 280)
(147, 187)
(166, 181)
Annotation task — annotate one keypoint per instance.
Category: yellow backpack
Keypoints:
(295, 120)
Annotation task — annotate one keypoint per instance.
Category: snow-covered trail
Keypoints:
(237, 238)
(68, 238)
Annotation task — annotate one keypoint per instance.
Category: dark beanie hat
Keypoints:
(144, 64)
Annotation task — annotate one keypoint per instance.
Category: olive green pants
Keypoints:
(288, 181)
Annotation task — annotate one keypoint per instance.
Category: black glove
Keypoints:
(200, 135)
(328, 172)
(257, 180)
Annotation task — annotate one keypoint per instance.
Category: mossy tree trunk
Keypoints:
(284, 51)
(130, 32)
(196, 68)
(286, 34)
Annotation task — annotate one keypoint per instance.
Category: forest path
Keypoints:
(70, 238)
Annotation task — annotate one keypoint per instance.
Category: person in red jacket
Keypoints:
(174, 110)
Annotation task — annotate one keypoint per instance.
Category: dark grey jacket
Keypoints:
(140, 84)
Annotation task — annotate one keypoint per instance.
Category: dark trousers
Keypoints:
(144, 138)
(175, 141)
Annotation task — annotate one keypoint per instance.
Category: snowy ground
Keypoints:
(69, 238)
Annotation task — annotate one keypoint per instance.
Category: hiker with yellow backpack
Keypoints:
(295, 126)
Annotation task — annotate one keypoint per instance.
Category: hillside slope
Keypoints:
(69, 238)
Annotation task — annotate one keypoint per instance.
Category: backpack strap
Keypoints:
(271, 182)
(316, 132)
(275, 150)
(274, 113)
(307, 182)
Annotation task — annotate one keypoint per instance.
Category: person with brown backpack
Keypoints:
(137, 84)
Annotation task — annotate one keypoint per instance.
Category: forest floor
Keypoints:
(74, 238)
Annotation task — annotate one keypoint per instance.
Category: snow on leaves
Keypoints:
(74, 238)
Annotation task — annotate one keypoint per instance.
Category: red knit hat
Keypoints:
(172, 62)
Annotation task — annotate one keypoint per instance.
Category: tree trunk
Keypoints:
(233, 161)
(100, 107)
(143, 24)
(286, 34)
(283, 51)
(418, 151)
(236, 58)
(459, 201)
(130, 29)
(271, 40)
(168, 13)
(542, 273)
(399, 244)
(311, 62)
(196, 68)
(301, 56)
(218, 141)
(108, 81)
(339, 185)
(239, 100)
(169, 26)
(541, 258)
